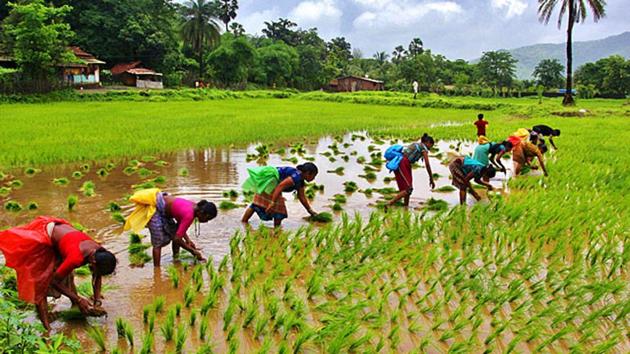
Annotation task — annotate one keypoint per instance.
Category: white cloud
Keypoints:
(323, 14)
(514, 7)
(312, 12)
(255, 21)
(387, 14)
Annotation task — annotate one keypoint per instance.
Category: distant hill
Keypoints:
(583, 52)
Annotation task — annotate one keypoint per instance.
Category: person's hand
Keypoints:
(503, 170)
(312, 212)
(84, 305)
(269, 208)
(490, 187)
(477, 196)
(432, 184)
(546, 174)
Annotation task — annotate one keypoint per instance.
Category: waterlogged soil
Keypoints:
(210, 173)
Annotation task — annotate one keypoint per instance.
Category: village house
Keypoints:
(133, 74)
(356, 83)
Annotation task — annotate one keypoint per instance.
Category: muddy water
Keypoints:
(211, 172)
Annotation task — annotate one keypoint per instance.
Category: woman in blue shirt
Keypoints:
(268, 183)
(465, 169)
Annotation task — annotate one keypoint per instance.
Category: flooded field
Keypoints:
(204, 297)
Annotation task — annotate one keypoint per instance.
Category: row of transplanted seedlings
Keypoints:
(401, 283)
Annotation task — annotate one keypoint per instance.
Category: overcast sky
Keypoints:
(454, 28)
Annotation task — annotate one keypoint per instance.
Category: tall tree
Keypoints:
(200, 31)
(380, 57)
(227, 11)
(398, 54)
(38, 37)
(237, 29)
(416, 47)
(548, 73)
(576, 11)
(282, 30)
(231, 60)
(497, 69)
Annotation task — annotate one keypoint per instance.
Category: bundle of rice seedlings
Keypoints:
(77, 174)
(72, 202)
(159, 180)
(232, 194)
(110, 166)
(62, 181)
(101, 172)
(144, 172)
(161, 163)
(12, 206)
(370, 176)
(113, 206)
(340, 198)
(96, 334)
(173, 273)
(31, 171)
(158, 304)
(15, 184)
(336, 207)
(4, 191)
(118, 217)
(350, 186)
(445, 189)
(129, 170)
(227, 205)
(88, 188)
(321, 217)
(183, 172)
(32, 206)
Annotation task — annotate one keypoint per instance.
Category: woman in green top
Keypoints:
(491, 153)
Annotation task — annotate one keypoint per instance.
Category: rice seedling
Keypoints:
(102, 172)
(158, 304)
(189, 296)
(350, 186)
(145, 314)
(31, 206)
(130, 170)
(370, 176)
(227, 205)
(183, 172)
(161, 163)
(336, 207)
(445, 189)
(292, 160)
(77, 174)
(180, 338)
(168, 327)
(340, 198)
(13, 206)
(147, 343)
(98, 337)
(436, 205)
(339, 171)
(118, 217)
(4, 191)
(232, 194)
(173, 273)
(15, 184)
(361, 160)
(159, 180)
(203, 328)
(88, 188)
(144, 172)
(62, 181)
(31, 171)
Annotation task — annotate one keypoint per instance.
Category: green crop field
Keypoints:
(544, 268)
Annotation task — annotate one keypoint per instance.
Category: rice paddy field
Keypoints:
(540, 266)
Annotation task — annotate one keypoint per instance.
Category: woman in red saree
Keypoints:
(44, 255)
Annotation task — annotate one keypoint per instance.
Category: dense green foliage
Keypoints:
(548, 73)
(183, 41)
(608, 76)
(37, 37)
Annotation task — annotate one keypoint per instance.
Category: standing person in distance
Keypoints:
(481, 125)
(415, 89)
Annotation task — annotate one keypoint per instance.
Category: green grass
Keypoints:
(103, 130)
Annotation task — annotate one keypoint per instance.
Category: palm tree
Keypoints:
(381, 57)
(576, 10)
(200, 30)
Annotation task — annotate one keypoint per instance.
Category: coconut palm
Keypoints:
(381, 57)
(200, 30)
(576, 11)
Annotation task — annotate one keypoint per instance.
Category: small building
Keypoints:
(356, 83)
(133, 74)
(84, 72)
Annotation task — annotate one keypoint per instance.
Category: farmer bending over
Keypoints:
(463, 169)
(400, 160)
(268, 183)
(45, 254)
(545, 130)
(168, 219)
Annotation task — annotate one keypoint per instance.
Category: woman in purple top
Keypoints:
(171, 222)
(268, 183)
